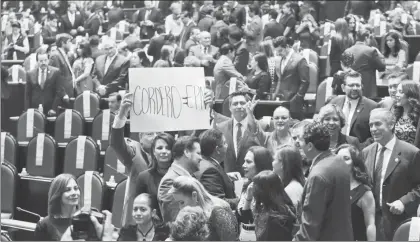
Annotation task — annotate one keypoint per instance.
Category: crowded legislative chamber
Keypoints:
(210, 120)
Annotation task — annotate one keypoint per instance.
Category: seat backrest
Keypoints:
(82, 154)
(118, 203)
(38, 41)
(101, 127)
(8, 185)
(41, 156)
(313, 78)
(402, 232)
(322, 93)
(30, 123)
(115, 34)
(5, 236)
(92, 189)
(413, 71)
(87, 104)
(113, 166)
(17, 73)
(311, 56)
(68, 125)
(9, 148)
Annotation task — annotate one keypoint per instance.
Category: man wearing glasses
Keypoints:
(356, 107)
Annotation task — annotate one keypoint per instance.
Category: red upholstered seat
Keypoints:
(118, 203)
(87, 111)
(97, 189)
(80, 159)
(113, 166)
(101, 129)
(9, 148)
(25, 131)
(76, 127)
(41, 158)
(8, 190)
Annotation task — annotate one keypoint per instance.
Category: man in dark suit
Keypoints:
(393, 166)
(130, 154)
(207, 21)
(326, 207)
(156, 44)
(293, 72)
(111, 69)
(205, 52)
(273, 28)
(59, 59)
(72, 21)
(355, 106)
(217, 27)
(359, 8)
(188, 21)
(148, 18)
(237, 134)
(93, 21)
(367, 60)
(239, 12)
(211, 173)
(42, 86)
(241, 58)
(115, 15)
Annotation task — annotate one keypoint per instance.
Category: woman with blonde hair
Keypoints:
(223, 225)
(63, 202)
(333, 118)
(308, 31)
(340, 41)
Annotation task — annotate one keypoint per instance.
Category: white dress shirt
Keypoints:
(353, 103)
(387, 155)
(40, 76)
(108, 62)
(72, 18)
(235, 132)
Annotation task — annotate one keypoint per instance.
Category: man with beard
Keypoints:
(326, 207)
(394, 79)
(393, 166)
(355, 106)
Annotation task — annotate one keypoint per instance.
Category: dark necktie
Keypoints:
(378, 173)
(42, 78)
(205, 50)
(238, 135)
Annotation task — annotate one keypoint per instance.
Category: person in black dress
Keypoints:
(362, 200)
(260, 80)
(149, 226)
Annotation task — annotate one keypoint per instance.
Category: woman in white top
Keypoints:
(287, 164)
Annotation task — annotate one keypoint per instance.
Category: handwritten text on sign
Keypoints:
(167, 99)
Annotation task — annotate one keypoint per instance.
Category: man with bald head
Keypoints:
(111, 69)
(205, 52)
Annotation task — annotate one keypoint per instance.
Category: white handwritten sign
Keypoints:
(168, 99)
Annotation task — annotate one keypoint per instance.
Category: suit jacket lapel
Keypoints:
(110, 65)
(394, 160)
(371, 159)
(358, 110)
(288, 63)
(341, 102)
(229, 136)
(35, 75)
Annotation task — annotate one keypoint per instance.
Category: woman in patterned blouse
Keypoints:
(407, 110)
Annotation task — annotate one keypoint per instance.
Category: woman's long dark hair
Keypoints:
(358, 168)
(145, 62)
(263, 160)
(342, 36)
(411, 90)
(397, 46)
(169, 139)
(292, 164)
(270, 196)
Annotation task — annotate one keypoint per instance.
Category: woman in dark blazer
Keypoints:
(335, 120)
(259, 80)
(339, 43)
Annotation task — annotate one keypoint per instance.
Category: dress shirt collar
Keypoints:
(390, 145)
(243, 122)
(353, 102)
(215, 160)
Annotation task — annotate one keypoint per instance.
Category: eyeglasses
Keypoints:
(354, 85)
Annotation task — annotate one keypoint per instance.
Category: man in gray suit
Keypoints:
(205, 52)
(367, 60)
(224, 70)
(187, 156)
(326, 206)
(393, 166)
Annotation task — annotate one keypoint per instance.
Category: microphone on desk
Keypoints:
(28, 212)
(116, 170)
